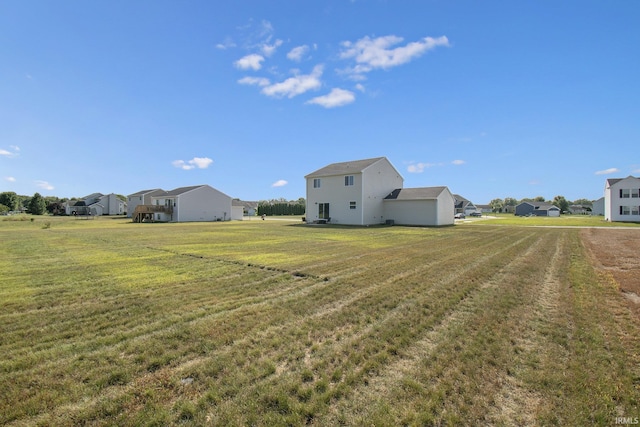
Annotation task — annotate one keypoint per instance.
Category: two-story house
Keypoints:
(195, 203)
(622, 199)
(369, 191)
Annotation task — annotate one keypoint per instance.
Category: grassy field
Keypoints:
(561, 221)
(106, 322)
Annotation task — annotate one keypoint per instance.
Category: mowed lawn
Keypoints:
(106, 322)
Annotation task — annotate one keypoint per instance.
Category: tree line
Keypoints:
(276, 207)
(35, 205)
(509, 203)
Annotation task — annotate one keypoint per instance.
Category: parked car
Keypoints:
(459, 216)
(475, 214)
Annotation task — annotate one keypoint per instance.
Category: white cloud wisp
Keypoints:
(336, 98)
(196, 162)
(370, 54)
(250, 62)
(608, 171)
(279, 183)
(297, 85)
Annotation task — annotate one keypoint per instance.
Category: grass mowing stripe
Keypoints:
(398, 381)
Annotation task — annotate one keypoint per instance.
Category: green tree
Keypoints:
(510, 201)
(561, 202)
(37, 205)
(496, 205)
(10, 200)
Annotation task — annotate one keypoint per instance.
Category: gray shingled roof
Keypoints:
(178, 191)
(345, 168)
(140, 193)
(421, 193)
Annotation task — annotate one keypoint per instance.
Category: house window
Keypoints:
(348, 180)
(635, 210)
(625, 210)
(624, 193)
(635, 192)
(352, 205)
(316, 182)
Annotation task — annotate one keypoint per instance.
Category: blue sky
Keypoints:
(493, 99)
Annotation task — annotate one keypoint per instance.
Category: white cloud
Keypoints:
(360, 87)
(297, 53)
(375, 53)
(9, 179)
(252, 61)
(336, 98)
(296, 85)
(279, 183)
(458, 162)
(13, 151)
(607, 171)
(44, 185)
(254, 81)
(269, 49)
(196, 162)
(419, 167)
(228, 43)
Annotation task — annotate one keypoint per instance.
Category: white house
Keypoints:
(369, 191)
(351, 192)
(184, 204)
(622, 199)
(97, 204)
(420, 206)
(463, 205)
(140, 198)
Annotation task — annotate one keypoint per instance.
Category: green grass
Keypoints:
(107, 322)
(561, 221)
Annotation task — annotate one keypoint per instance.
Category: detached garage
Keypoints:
(426, 206)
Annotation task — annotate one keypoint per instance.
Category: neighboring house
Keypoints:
(580, 209)
(248, 208)
(484, 208)
(185, 204)
(97, 204)
(537, 209)
(622, 199)
(420, 206)
(463, 205)
(237, 210)
(140, 198)
(598, 207)
(369, 191)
